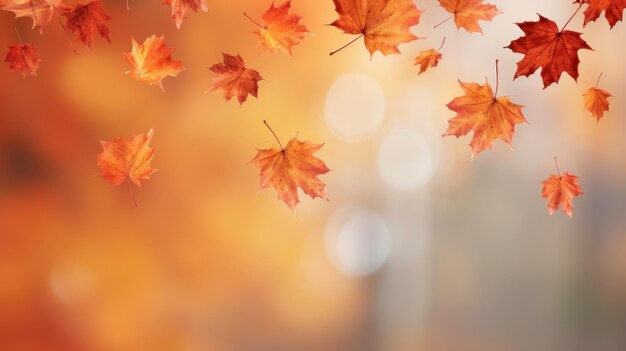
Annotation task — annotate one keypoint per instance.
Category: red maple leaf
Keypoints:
(613, 10)
(23, 58)
(545, 46)
(234, 78)
(87, 19)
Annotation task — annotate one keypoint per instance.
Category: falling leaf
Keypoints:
(291, 167)
(481, 111)
(87, 19)
(41, 11)
(467, 13)
(280, 30)
(235, 79)
(127, 160)
(546, 47)
(384, 24)
(613, 10)
(152, 61)
(23, 58)
(560, 190)
(179, 8)
(596, 101)
(429, 58)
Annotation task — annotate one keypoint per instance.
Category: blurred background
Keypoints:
(419, 248)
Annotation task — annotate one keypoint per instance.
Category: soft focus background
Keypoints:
(419, 248)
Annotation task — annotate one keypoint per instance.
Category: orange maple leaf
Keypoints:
(152, 61)
(23, 58)
(467, 13)
(481, 111)
(596, 101)
(87, 19)
(613, 10)
(291, 167)
(279, 29)
(235, 79)
(545, 46)
(384, 24)
(560, 190)
(127, 160)
(429, 58)
(41, 11)
(179, 8)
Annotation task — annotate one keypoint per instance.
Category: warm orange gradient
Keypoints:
(419, 247)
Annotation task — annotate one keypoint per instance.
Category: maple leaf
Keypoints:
(560, 190)
(613, 10)
(87, 19)
(41, 11)
(23, 58)
(467, 13)
(545, 46)
(235, 79)
(481, 111)
(127, 160)
(291, 167)
(384, 24)
(152, 61)
(429, 58)
(596, 101)
(279, 29)
(179, 8)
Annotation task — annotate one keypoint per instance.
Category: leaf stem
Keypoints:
(442, 42)
(598, 81)
(132, 194)
(557, 166)
(497, 79)
(343, 47)
(253, 21)
(69, 40)
(19, 36)
(271, 130)
(570, 19)
(442, 22)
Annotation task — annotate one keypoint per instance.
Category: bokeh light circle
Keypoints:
(405, 160)
(354, 107)
(357, 240)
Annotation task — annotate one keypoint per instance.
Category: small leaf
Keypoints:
(427, 59)
(234, 78)
(23, 58)
(287, 169)
(41, 11)
(127, 160)
(467, 13)
(560, 190)
(280, 30)
(179, 8)
(87, 19)
(613, 10)
(384, 24)
(152, 61)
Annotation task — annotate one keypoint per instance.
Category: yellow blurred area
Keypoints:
(419, 247)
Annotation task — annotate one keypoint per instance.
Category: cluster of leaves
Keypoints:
(383, 25)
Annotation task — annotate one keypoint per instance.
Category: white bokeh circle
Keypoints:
(405, 160)
(355, 107)
(357, 240)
